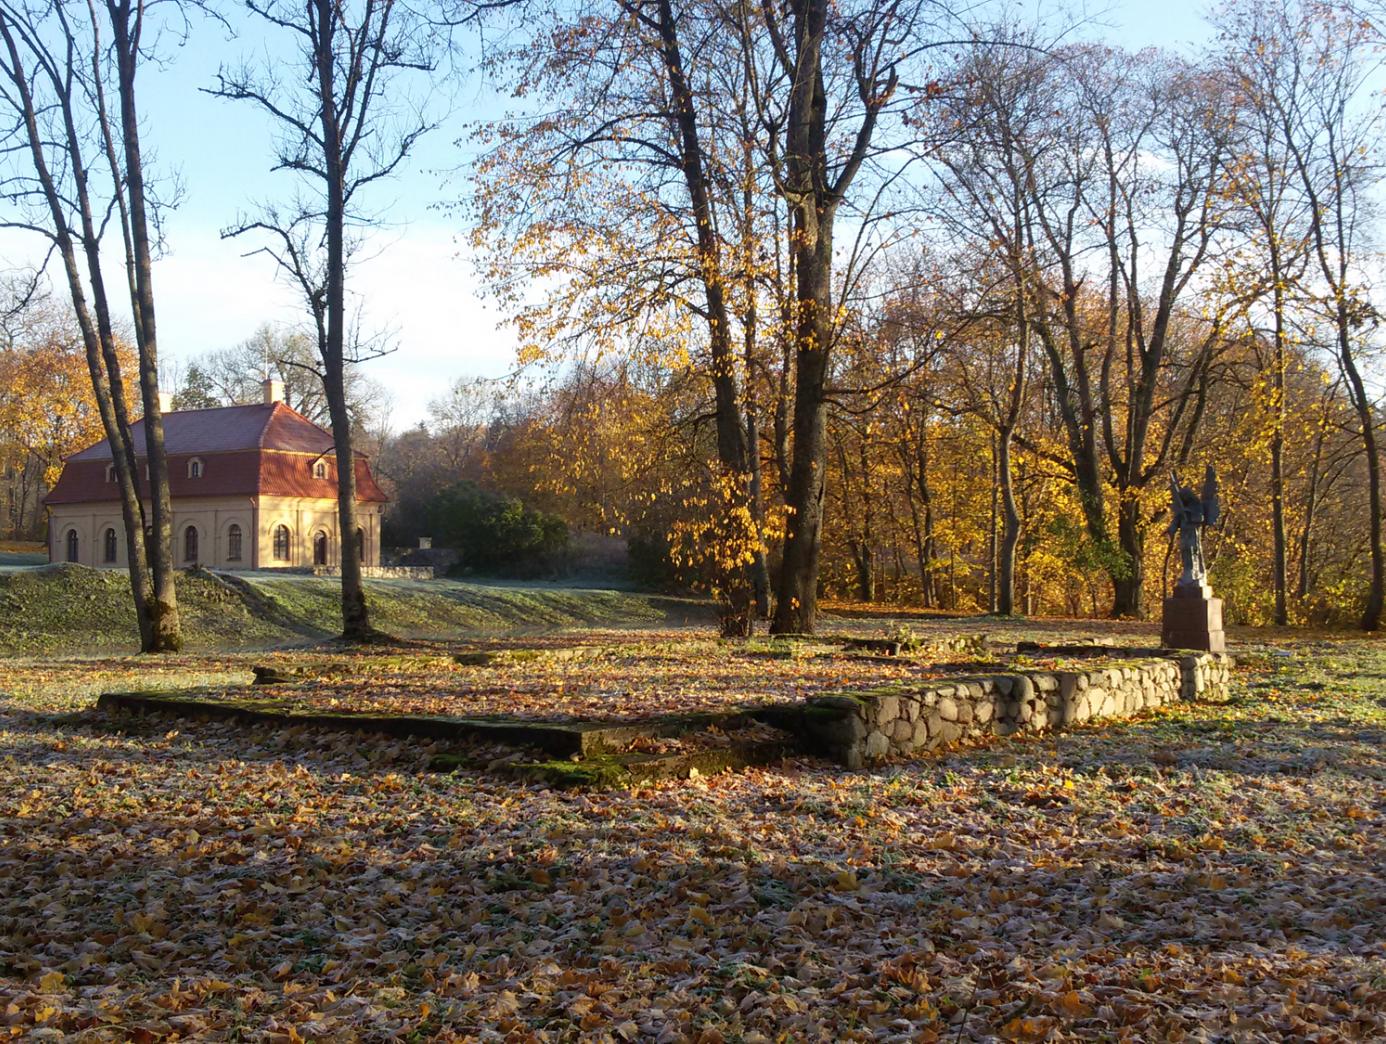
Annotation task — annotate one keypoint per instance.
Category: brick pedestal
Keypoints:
(1193, 620)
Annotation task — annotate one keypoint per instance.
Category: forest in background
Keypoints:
(971, 292)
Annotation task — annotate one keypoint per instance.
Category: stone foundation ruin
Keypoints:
(899, 720)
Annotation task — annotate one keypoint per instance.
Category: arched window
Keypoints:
(110, 472)
(320, 469)
(195, 468)
(281, 543)
(320, 549)
(360, 545)
(108, 551)
(72, 546)
(233, 543)
(190, 545)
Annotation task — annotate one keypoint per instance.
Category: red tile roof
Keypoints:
(226, 429)
(245, 451)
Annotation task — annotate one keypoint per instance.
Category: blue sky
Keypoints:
(417, 281)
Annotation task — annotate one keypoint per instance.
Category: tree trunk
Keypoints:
(738, 591)
(1376, 590)
(1310, 509)
(1010, 520)
(356, 624)
(928, 575)
(1279, 555)
(760, 568)
(796, 610)
(866, 558)
(1128, 581)
(163, 607)
(813, 204)
(992, 546)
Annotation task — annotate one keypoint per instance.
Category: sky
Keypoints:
(415, 279)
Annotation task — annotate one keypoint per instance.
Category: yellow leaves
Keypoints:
(1071, 1005)
(256, 916)
(51, 981)
(142, 922)
(700, 915)
(845, 881)
(1027, 1029)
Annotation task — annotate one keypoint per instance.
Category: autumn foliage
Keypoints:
(47, 410)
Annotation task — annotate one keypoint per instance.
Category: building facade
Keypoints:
(252, 487)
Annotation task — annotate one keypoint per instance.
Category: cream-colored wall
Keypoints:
(213, 518)
(306, 518)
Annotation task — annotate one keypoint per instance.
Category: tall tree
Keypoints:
(1270, 280)
(1095, 178)
(829, 83)
(639, 198)
(57, 67)
(345, 122)
(1309, 69)
(130, 36)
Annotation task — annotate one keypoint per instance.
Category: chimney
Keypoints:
(274, 391)
(165, 402)
(425, 543)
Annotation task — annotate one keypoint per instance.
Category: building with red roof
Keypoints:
(253, 487)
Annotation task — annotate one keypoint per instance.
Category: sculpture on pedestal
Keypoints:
(1193, 617)
(1189, 513)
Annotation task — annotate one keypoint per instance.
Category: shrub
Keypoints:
(495, 534)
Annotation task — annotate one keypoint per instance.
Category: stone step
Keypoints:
(561, 739)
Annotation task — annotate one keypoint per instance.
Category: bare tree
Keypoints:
(138, 212)
(1309, 69)
(985, 202)
(231, 376)
(57, 64)
(1262, 184)
(346, 121)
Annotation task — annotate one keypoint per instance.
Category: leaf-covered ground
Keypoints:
(609, 676)
(1206, 872)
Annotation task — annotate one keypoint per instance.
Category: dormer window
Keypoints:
(195, 468)
(320, 469)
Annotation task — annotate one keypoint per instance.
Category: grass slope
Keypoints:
(64, 608)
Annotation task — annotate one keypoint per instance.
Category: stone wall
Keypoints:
(1206, 676)
(900, 720)
(383, 572)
